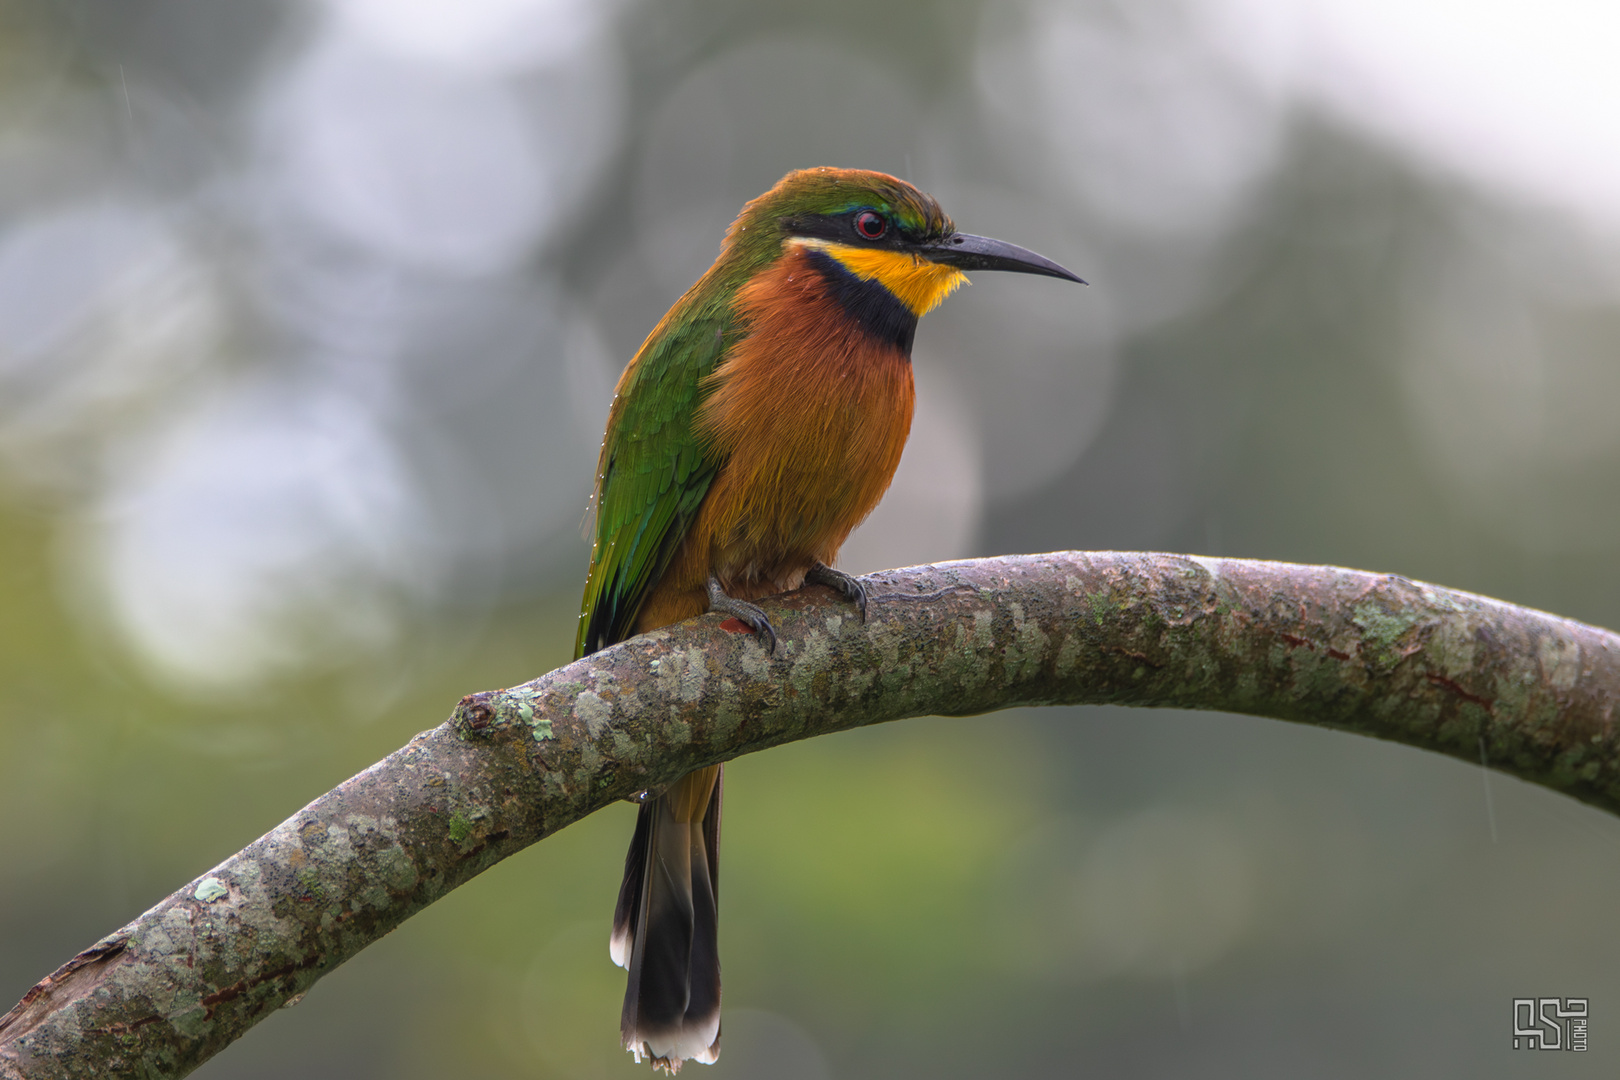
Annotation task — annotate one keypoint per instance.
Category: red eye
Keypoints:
(871, 224)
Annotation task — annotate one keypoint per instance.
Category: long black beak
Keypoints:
(967, 252)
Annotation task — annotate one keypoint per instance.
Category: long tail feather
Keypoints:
(665, 927)
(622, 942)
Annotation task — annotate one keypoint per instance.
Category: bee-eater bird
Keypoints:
(759, 423)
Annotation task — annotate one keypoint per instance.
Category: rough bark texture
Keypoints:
(1374, 654)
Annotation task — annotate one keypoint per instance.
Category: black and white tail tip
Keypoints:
(665, 927)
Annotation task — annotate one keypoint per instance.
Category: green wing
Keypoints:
(655, 473)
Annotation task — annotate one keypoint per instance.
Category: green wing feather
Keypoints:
(655, 472)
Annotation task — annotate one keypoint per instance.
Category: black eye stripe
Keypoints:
(843, 227)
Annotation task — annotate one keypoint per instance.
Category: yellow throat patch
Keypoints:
(915, 281)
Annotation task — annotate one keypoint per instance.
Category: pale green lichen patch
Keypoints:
(886, 638)
(520, 705)
(856, 683)
(386, 825)
(158, 940)
(397, 871)
(972, 648)
(1068, 653)
(590, 762)
(682, 674)
(1560, 661)
(727, 711)
(374, 895)
(192, 1023)
(814, 660)
(311, 883)
(594, 711)
(209, 890)
(624, 747)
(1453, 647)
(461, 827)
(1031, 643)
(1382, 627)
(756, 664)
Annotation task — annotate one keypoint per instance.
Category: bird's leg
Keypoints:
(850, 587)
(742, 611)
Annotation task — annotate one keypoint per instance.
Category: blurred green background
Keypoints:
(309, 316)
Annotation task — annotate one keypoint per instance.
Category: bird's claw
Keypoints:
(851, 588)
(743, 611)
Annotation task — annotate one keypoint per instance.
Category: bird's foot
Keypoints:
(744, 612)
(850, 587)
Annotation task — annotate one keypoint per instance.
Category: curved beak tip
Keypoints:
(968, 252)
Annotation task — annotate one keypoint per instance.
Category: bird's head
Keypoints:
(877, 228)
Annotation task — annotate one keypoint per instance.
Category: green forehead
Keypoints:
(910, 214)
(897, 199)
(832, 192)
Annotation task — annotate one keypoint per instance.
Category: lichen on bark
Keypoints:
(1375, 654)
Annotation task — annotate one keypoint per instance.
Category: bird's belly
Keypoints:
(805, 478)
(779, 533)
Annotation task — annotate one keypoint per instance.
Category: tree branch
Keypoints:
(1380, 655)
